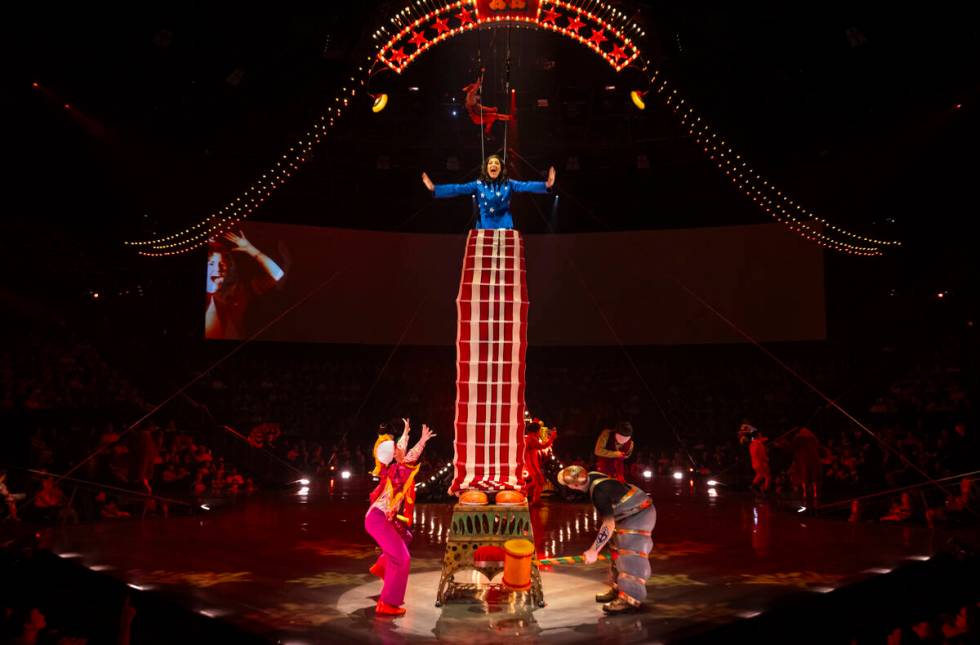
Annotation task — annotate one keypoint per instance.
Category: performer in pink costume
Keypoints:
(384, 523)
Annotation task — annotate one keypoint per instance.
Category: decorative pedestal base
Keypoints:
(477, 526)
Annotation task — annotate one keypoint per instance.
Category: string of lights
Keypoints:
(241, 207)
(435, 477)
(770, 199)
(570, 19)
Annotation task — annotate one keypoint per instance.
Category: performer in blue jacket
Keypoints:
(492, 191)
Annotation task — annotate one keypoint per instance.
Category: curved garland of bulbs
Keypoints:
(765, 194)
(223, 219)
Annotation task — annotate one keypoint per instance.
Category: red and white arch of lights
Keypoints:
(596, 32)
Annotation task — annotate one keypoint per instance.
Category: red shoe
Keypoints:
(384, 609)
(378, 569)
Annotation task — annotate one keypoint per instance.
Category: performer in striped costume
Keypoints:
(628, 518)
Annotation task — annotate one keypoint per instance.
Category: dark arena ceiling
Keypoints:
(141, 123)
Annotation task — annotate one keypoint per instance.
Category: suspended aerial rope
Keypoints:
(180, 391)
(579, 274)
(830, 402)
(506, 93)
(479, 64)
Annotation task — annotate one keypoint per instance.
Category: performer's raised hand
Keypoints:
(240, 242)
(408, 426)
(551, 178)
(428, 182)
(426, 433)
(590, 556)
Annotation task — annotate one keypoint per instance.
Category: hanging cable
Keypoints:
(479, 64)
(830, 402)
(506, 93)
(616, 337)
(893, 491)
(194, 380)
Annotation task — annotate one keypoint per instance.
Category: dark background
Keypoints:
(865, 114)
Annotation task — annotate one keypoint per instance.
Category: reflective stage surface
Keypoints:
(295, 568)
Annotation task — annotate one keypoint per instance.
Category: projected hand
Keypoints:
(428, 182)
(240, 242)
(426, 433)
(551, 178)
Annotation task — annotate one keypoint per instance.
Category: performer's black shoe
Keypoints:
(620, 606)
(609, 596)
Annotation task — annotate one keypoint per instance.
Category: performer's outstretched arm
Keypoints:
(605, 534)
(413, 455)
(244, 246)
(442, 191)
(539, 187)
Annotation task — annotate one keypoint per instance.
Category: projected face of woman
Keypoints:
(493, 167)
(217, 269)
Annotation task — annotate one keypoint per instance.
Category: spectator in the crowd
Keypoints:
(7, 501)
(760, 461)
(806, 464)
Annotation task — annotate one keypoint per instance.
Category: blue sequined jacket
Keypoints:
(493, 198)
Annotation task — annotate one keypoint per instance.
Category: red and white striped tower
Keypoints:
(491, 347)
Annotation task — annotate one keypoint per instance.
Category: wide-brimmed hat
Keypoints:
(573, 476)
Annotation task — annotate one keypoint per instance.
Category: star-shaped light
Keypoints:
(464, 16)
(441, 25)
(550, 15)
(574, 24)
(618, 52)
(418, 39)
(597, 36)
(398, 55)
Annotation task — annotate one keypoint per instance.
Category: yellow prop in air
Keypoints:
(637, 97)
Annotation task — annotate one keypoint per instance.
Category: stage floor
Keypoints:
(294, 569)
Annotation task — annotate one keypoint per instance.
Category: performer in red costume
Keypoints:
(479, 113)
(383, 522)
(612, 448)
(532, 460)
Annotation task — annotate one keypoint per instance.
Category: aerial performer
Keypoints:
(390, 515)
(479, 113)
(492, 191)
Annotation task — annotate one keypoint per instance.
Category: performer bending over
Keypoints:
(492, 191)
(532, 460)
(397, 469)
(628, 518)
